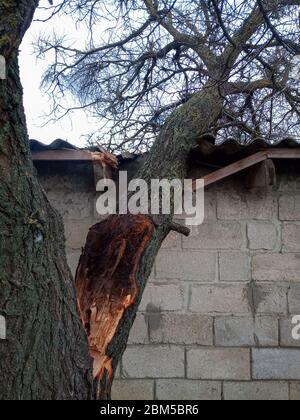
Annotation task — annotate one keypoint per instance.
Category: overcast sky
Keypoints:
(37, 105)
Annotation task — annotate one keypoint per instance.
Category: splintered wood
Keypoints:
(106, 280)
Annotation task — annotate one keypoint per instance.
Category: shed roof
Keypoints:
(226, 159)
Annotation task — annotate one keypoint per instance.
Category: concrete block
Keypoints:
(246, 205)
(262, 235)
(219, 299)
(246, 331)
(164, 297)
(217, 235)
(191, 266)
(280, 364)
(72, 205)
(289, 207)
(291, 237)
(181, 329)
(295, 391)
(218, 364)
(133, 390)
(276, 267)
(234, 266)
(256, 391)
(186, 390)
(268, 298)
(154, 362)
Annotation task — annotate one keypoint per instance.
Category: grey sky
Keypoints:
(37, 105)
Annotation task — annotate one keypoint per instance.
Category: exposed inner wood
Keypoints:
(106, 281)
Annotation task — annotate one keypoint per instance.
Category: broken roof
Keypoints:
(63, 150)
(227, 158)
(207, 147)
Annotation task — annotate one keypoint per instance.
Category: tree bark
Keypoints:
(45, 355)
(120, 252)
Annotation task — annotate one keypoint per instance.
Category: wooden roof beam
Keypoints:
(234, 168)
(284, 153)
(248, 162)
(62, 155)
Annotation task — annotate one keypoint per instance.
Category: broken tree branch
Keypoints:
(183, 230)
(106, 282)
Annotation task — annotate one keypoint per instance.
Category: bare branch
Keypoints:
(156, 55)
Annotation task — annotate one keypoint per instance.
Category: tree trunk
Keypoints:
(120, 252)
(45, 355)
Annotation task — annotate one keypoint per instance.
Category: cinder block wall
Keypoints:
(215, 321)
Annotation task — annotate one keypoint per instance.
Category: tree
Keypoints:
(166, 74)
(154, 56)
(45, 355)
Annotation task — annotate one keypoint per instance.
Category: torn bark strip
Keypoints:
(106, 281)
